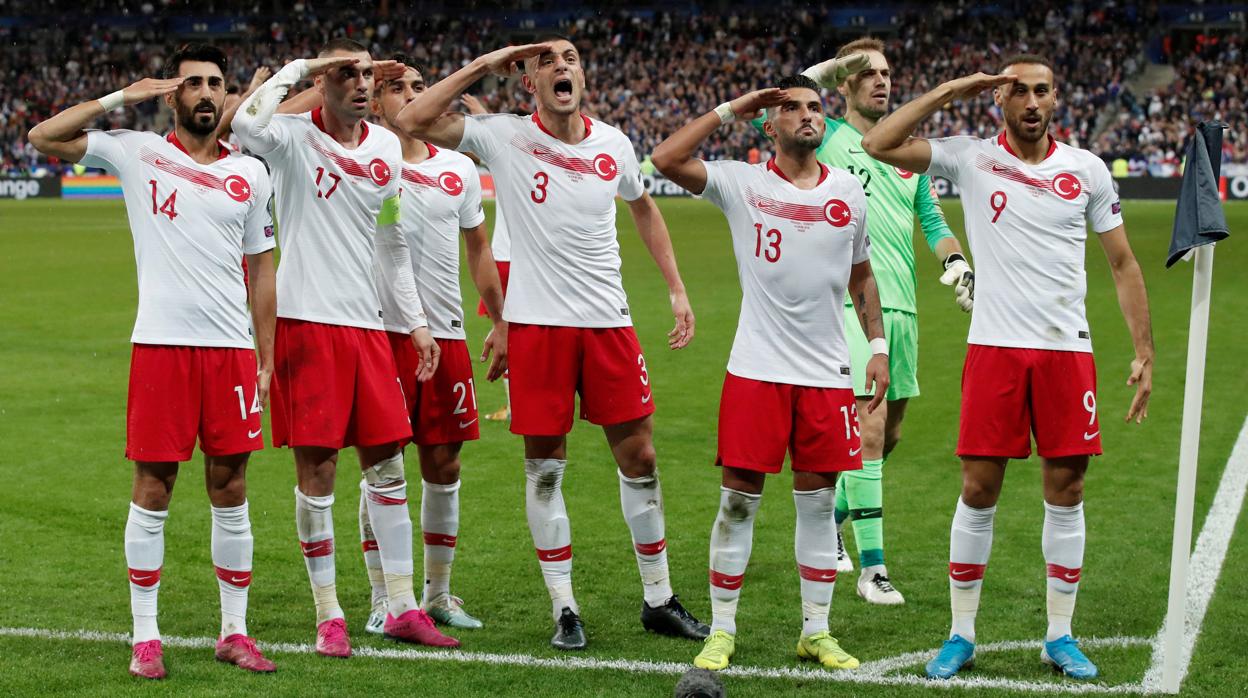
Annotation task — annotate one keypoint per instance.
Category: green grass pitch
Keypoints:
(67, 300)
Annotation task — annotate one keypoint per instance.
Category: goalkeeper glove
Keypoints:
(832, 72)
(958, 274)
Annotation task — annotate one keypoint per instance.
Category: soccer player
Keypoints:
(799, 231)
(1028, 201)
(195, 210)
(441, 200)
(861, 74)
(336, 385)
(557, 173)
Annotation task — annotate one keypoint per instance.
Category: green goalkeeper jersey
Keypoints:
(894, 198)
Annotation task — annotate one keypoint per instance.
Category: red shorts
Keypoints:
(1009, 393)
(549, 365)
(335, 386)
(504, 270)
(759, 421)
(444, 408)
(179, 393)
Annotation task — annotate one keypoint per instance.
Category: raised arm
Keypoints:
(429, 116)
(653, 232)
(866, 297)
(1133, 299)
(227, 116)
(63, 135)
(892, 140)
(674, 157)
(254, 114)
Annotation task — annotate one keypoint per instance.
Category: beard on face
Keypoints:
(870, 111)
(197, 119)
(1022, 130)
(795, 142)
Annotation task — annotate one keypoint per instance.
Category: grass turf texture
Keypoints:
(67, 280)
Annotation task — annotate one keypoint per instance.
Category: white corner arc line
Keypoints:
(872, 676)
(1207, 559)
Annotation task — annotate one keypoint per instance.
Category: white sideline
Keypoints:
(1207, 558)
(871, 673)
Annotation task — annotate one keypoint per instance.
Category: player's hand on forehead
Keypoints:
(503, 61)
(971, 85)
(388, 70)
(750, 105)
(319, 66)
(148, 88)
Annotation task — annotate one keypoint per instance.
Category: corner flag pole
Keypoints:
(1189, 448)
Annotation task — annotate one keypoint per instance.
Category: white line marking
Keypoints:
(872, 673)
(1207, 559)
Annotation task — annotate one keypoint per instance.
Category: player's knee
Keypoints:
(229, 492)
(386, 472)
(640, 463)
(979, 495)
(891, 438)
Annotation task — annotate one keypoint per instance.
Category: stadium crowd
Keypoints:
(651, 74)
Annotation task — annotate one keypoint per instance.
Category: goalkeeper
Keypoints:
(860, 73)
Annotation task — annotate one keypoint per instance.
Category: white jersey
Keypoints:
(794, 250)
(441, 195)
(500, 241)
(1027, 225)
(560, 203)
(328, 201)
(191, 225)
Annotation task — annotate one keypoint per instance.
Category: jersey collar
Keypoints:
(1005, 143)
(538, 120)
(432, 150)
(320, 123)
(173, 138)
(771, 165)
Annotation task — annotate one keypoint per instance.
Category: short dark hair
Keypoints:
(407, 60)
(341, 44)
(790, 81)
(549, 37)
(1028, 59)
(195, 52)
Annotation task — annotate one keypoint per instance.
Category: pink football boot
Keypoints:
(417, 627)
(241, 651)
(147, 661)
(331, 639)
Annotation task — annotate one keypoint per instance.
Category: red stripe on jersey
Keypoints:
(419, 178)
(238, 578)
(814, 574)
(384, 500)
(1005, 143)
(1066, 574)
(144, 578)
(199, 177)
(346, 164)
(538, 120)
(651, 548)
(555, 554)
(731, 582)
(550, 157)
(369, 545)
(966, 572)
(793, 212)
(448, 541)
(318, 548)
(984, 163)
(771, 165)
(177, 143)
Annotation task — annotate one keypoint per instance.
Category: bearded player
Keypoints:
(1029, 369)
(336, 384)
(861, 74)
(557, 173)
(195, 210)
(799, 231)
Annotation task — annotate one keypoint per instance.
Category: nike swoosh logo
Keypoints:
(857, 152)
(237, 580)
(1069, 577)
(1089, 437)
(465, 425)
(961, 572)
(998, 168)
(646, 399)
(253, 434)
(161, 163)
(139, 580)
(855, 452)
(868, 513)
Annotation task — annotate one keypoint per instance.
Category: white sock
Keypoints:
(732, 536)
(315, 522)
(507, 390)
(372, 555)
(1062, 541)
(548, 524)
(641, 500)
(439, 524)
(814, 544)
(970, 542)
(231, 554)
(392, 525)
(145, 555)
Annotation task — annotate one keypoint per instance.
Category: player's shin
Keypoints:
(315, 523)
(548, 524)
(232, 546)
(372, 554)
(732, 537)
(814, 544)
(439, 523)
(970, 543)
(1063, 542)
(145, 555)
(864, 493)
(641, 500)
(392, 525)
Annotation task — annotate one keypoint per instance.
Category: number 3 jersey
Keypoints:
(191, 225)
(794, 250)
(560, 202)
(1027, 225)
